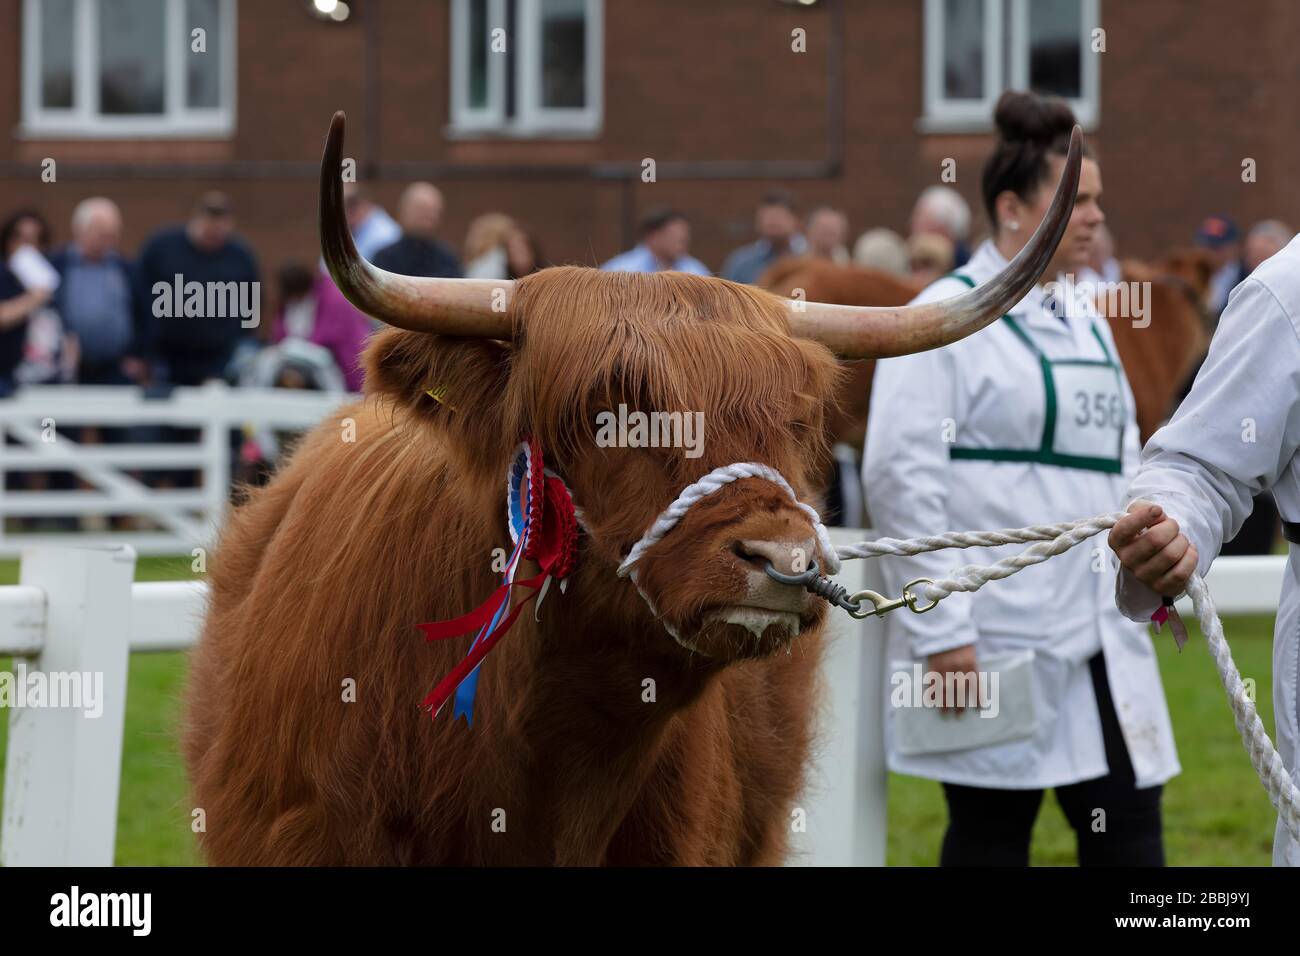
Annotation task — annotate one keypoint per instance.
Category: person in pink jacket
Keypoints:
(313, 308)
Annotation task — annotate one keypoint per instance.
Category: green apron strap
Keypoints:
(1049, 387)
(1119, 380)
(1102, 342)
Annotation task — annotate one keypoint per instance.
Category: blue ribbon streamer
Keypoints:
(518, 517)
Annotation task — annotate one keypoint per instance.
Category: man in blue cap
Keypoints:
(1220, 236)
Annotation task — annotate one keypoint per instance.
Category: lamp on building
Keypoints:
(335, 10)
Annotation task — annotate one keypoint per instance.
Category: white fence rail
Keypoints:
(110, 475)
(78, 611)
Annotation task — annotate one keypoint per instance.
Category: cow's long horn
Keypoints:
(469, 307)
(863, 332)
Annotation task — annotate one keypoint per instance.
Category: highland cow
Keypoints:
(598, 737)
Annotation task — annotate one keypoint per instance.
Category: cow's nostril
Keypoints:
(758, 554)
(788, 557)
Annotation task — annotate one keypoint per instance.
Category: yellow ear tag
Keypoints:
(437, 395)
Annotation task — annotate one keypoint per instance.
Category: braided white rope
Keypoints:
(1059, 538)
(715, 481)
(1052, 539)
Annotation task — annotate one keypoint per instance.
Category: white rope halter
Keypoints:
(692, 494)
(714, 481)
(1049, 540)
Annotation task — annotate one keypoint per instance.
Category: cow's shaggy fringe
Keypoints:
(321, 577)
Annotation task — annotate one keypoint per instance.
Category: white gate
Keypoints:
(184, 518)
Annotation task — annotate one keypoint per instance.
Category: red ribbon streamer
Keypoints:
(468, 622)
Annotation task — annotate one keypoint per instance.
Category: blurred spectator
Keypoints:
(372, 227)
(827, 231)
(941, 210)
(296, 297)
(882, 249)
(1219, 235)
(293, 363)
(418, 252)
(665, 246)
(777, 223)
(497, 247)
(485, 246)
(97, 298)
(312, 309)
(49, 353)
(193, 349)
(523, 254)
(931, 257)
(1264, 241)
(27, 283)
(1102, 266)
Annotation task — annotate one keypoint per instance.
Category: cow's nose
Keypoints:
(788, 557)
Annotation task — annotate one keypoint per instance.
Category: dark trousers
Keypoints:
(1115, 823)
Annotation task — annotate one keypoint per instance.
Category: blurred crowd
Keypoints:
(85, 311)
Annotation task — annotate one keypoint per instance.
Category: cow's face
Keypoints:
(612, 368)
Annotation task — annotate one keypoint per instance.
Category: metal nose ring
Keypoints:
(812, 579)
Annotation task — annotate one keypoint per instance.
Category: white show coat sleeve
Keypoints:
(906, 475)
(1232, 437)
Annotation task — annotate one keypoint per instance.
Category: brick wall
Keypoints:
(1188, 88)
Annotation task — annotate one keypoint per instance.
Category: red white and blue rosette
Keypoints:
(544, 529)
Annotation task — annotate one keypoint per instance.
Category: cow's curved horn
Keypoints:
(469, 307)
(862, 332)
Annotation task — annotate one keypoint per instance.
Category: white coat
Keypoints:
(1237, 433)
(956, 440)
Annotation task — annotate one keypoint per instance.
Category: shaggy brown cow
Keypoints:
(321, 577)
(1162, 348)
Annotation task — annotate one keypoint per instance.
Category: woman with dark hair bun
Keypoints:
(1030, 422)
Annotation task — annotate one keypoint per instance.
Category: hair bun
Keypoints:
(1024, 116)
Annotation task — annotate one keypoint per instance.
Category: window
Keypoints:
(975, 49)
(526, 67)
(128, 67)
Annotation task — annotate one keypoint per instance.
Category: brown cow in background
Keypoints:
(817, 280)
(1159, 357)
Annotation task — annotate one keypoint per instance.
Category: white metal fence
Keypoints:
(78, 611)
(113, 479)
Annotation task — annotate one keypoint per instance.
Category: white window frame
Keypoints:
(939, 107)
(84, 121)
(1084, 106)
(1009, 47)
(531, 119)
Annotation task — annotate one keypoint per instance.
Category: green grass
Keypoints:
(1216, 813)
(153, 818)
